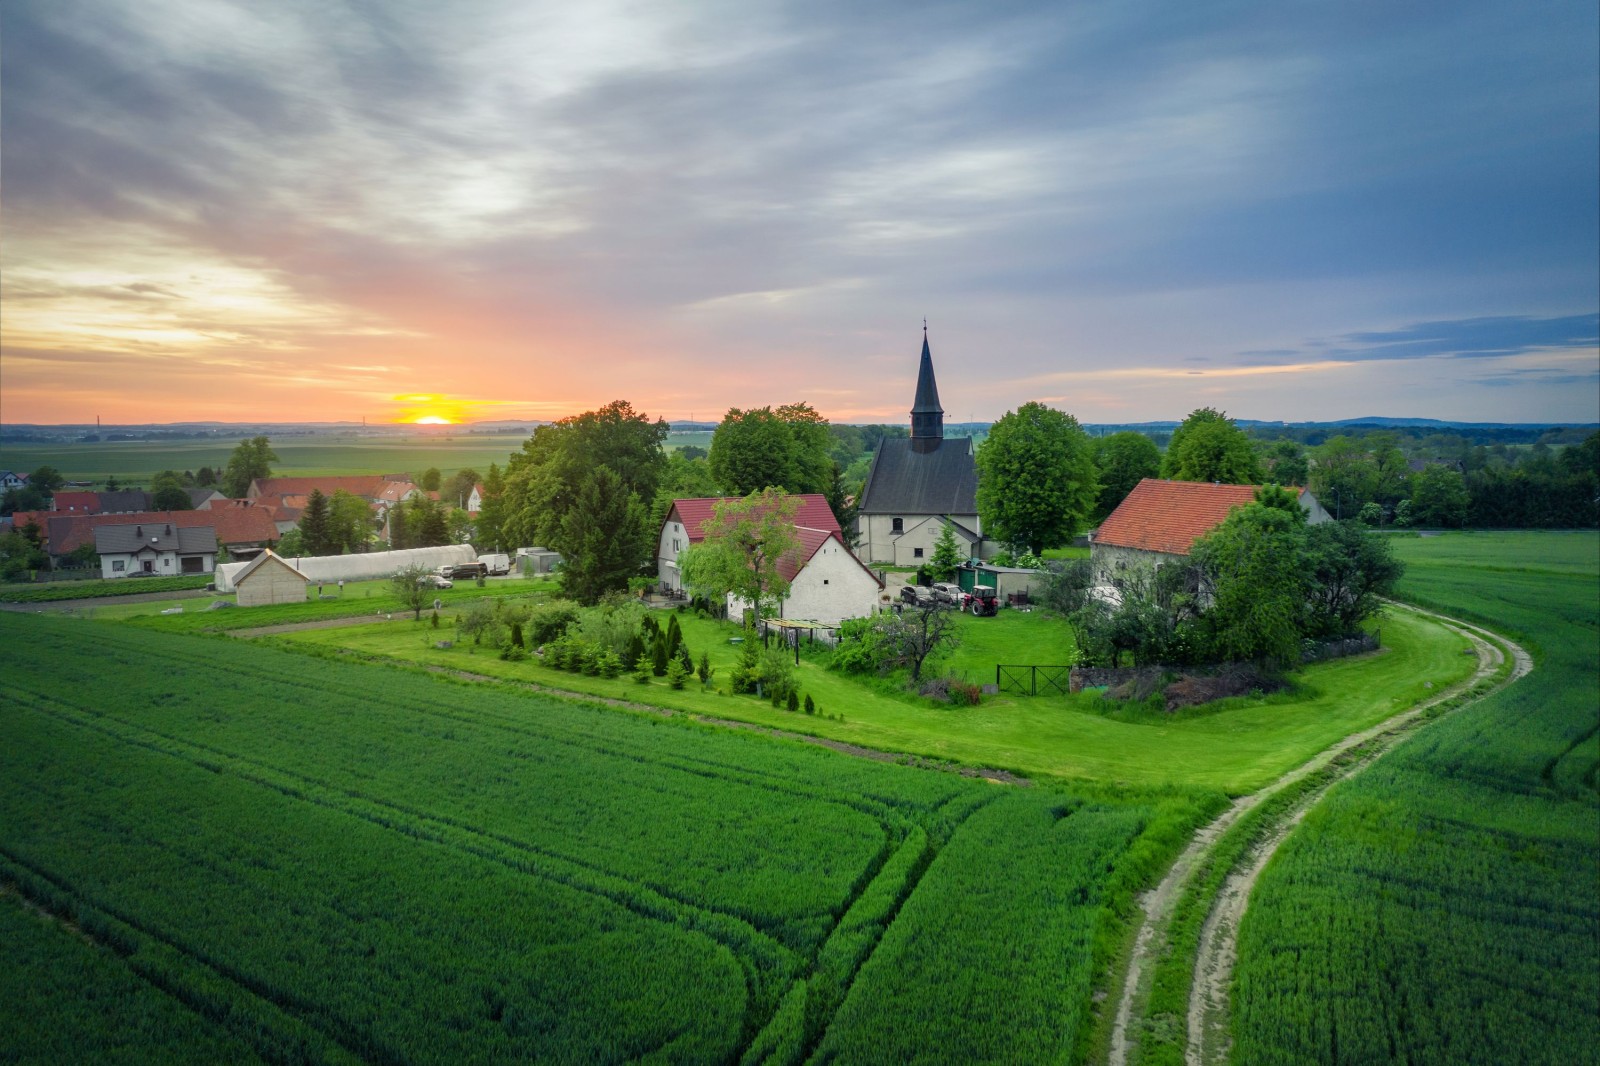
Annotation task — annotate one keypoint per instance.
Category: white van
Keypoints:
(496, 564)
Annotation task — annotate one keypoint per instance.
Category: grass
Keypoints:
(1235, 746)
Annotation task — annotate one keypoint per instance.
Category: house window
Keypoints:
(824, 581)
(916, 553)
(899, 525)
(119, 565)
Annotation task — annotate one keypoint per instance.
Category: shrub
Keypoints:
(435, 621)
(953, 690)
(513, 653)
(794, 701)
(706, 669)
(811, 707)
(676, 674)
(610, 663)
(548, 621)
(641, 674)
(516, 633)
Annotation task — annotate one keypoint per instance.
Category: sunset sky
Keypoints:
(287, 211)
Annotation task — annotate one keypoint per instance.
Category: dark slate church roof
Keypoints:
(922, 477)
(927, 399)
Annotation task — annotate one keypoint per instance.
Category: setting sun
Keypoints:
(432, 420)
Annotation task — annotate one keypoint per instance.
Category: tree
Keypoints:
(761, 448)
(491, 512)
(1036, 478)
(316, 526)
(601, 537)
(350, 522)
(251, 460)
(430, 480)
(1349, 571)
(458, 491)
(205, 477)
(845, 503)
(428, 523)
(1343, 476)
(413, 588)
(46, 479)
(1286, 463)
(1438, 497)
(1207, 446)
(744, 543)
(1121, 461)
(946, 555)
(1252, 572)
(168, 493)
(918, 636)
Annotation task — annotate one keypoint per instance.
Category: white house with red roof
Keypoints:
(686, 520)
(827, 583)
(1159, 521)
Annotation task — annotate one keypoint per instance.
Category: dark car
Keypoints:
(467, 571)
(917, 595)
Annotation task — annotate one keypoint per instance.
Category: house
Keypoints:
(65, 502)
(268, 579)
(123, 501)
(155, 549)
(474, 502)
(200, 499)
(1159, 522)
(10, 479)
(916, 544)
(915, 479)
(827, 583)
(240, 530)
(685, 525)
(381, 491)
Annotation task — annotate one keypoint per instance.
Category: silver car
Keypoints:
(944, 592)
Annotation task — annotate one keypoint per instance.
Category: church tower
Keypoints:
(927, 417)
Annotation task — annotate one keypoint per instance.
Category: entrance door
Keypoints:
(149, 566)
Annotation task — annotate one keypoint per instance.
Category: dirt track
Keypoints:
(1207, 1021)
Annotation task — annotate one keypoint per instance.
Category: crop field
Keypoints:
(1441, 906)
(136, 462)
(261, 853)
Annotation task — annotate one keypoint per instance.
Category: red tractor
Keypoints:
(981, 601)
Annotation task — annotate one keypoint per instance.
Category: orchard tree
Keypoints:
(413, 588)
(1209, 447)
(251, 460)
(1036, 478)
(744, 544)
(1121, 461)
(918, 636)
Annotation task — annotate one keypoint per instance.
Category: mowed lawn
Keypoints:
(1236, 746)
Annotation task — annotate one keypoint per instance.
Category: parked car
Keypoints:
(436, 581)
(944, 592)
(467, 571)
(497, 563)
(917, 595)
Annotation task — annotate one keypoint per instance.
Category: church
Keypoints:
(917, 486)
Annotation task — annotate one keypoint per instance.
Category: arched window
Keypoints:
(899, 525)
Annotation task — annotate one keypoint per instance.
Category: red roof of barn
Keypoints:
(76, 502)
(1169, 516)
(814, 513)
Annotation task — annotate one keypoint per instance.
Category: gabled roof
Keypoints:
(814, 513)
(76, 502)
(367, 486)
(267, 558)
(1169, 516)
(156, 536)
(243, 525)
(811, 541)
(924, 477)
(124, 500)
(927, 398)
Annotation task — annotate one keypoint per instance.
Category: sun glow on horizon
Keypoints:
(433, 420)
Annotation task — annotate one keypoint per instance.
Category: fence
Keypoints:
(1030, 680)
(775, 629)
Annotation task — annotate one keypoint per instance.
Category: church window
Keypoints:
(916, 553)
(899, 525)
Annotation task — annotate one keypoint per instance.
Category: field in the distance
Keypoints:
(328, 861)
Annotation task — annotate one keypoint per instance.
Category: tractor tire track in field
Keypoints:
(1207, 1020)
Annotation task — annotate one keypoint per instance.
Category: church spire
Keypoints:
(927, 417)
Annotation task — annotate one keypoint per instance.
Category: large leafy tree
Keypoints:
(544, 478)
(788, 448)
(744, 543)
(601, 538)
(167, 492)
(1348, 573)
(1207, 446)
(1036, 478)
(47, 479)
(1438, 497)
(1344, 476)
(458, 490)
(1121, 461)
(251, 460)
(350, 522)
(1285, 463)
(1253, 573)
(491, 513)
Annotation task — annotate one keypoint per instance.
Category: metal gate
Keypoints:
(1033, 680)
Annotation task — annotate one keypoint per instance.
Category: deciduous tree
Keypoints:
(1207, 446)
(1121, 461)
(744, 543)
(167, 492)
(1036, 478)
(251, 460)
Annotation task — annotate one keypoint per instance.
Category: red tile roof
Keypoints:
(810, 541)
(1169, 516)
(76, 502)
(367, 486)
(236, 525)
(814, 513)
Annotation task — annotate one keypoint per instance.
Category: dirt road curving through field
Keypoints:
(1207, 1039)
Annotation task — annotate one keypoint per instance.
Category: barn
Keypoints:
(267, 579)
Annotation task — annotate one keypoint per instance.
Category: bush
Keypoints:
(811, 707)
(793, 703)
(676, 674)
(952, 690)
(641, 674)
(516, 632)
(549, 621)
(513, 653)
(706, 669)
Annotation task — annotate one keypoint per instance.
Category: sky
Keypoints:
(394, 210)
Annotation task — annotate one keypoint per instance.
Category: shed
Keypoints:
(535, 561)
(268, 578)
(1007, 581)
